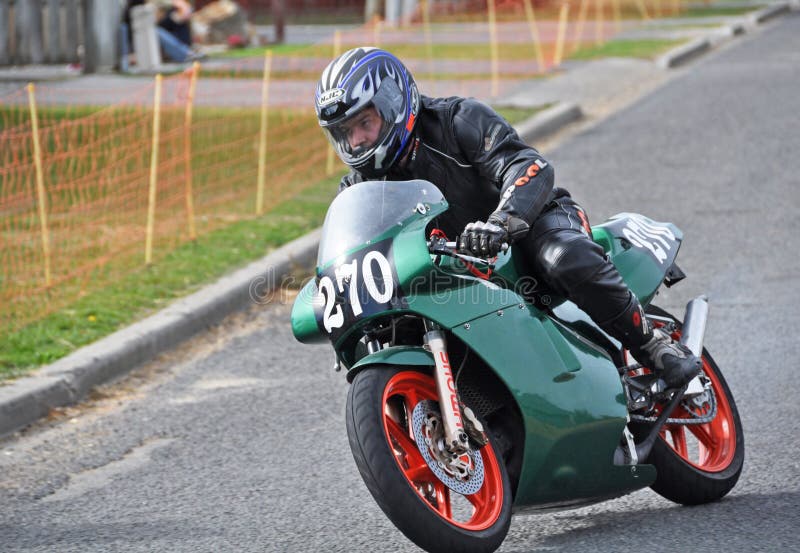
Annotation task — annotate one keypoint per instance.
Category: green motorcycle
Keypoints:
(475, 393)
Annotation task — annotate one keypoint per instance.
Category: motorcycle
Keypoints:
(476, 393)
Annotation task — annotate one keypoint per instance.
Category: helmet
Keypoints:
(352, 84)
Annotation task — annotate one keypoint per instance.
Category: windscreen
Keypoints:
(366, 210)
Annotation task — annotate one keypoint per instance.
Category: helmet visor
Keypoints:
(360, 135)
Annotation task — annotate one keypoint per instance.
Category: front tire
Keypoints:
(700, 463)
(379, 407)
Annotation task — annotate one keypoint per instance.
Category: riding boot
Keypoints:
(652, 347)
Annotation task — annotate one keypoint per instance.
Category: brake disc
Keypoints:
(463, 473)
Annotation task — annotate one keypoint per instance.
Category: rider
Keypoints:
(499, 190)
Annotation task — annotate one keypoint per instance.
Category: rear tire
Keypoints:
(399, 479)
(699, 463)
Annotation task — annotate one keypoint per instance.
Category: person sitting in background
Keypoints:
(174, 17)
(173, 28)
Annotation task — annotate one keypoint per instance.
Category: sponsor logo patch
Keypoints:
(330, 96)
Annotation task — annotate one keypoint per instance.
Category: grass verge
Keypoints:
(148, 289)
(627, 49)
(718, 11)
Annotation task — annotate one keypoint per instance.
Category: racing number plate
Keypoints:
(361, 285)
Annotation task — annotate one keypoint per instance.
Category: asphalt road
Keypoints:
(238, 442)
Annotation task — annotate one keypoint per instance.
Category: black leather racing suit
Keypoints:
(482, 166)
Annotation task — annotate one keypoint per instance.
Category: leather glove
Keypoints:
(482, 239)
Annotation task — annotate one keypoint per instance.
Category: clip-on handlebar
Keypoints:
(439, 245)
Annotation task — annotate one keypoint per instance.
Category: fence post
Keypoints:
(40, 193)
(408, 8)
(262, 142)
(598, 23)
(642, 10)
(151, 197)
(28, 29)
(90, 46)
(392, 12)
(5, 43)
(617, 16)
(187, 150)
(376, 32)
(426, 29)
(71, 42)
(582, 12)
(100, 31)
(337, 47)
(54, 54)
(371, 10)
(537, 43)
(563, 14)
(279, 18)
(493, 47)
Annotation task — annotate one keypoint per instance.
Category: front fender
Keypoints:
(414, 356)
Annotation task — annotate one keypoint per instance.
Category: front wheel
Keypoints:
(699, 463)
(389, 412)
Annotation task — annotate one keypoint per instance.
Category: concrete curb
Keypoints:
(549, 121)
(729, 32)
(683, 53)
(690, 50)
(69, 379)
(769, 12)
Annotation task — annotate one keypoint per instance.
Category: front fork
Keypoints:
(456, 438)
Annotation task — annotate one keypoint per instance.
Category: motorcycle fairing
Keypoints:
(362, 284)
(643, 250)
(574, 406)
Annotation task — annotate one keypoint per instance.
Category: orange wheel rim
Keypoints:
(475, 512)
(709, 447)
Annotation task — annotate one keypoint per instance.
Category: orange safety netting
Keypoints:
(90, 217)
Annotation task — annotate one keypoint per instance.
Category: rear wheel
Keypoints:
(462, 505)
(700, 463)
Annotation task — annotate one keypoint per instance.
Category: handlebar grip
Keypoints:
(503, 248)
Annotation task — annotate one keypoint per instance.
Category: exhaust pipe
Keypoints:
(694, 325)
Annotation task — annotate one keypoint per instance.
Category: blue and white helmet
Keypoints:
(364, 78)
